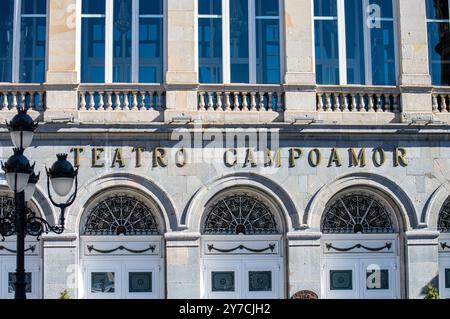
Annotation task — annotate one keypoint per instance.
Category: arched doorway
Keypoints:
(121, 247)
(444, 250)
(360, 247)
(242, 247)
(33, 257)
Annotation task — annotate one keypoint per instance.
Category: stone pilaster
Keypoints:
(183, 265)
(422, 253)
(299, 79)
(304, 271)
(181, 75)
(62, 74)
(415, 80)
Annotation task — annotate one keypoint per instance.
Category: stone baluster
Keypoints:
(134, 101)
(370, 104)
(210, 105)
(91, 101)
(201, 102)
(444, 103)
(320, 102)
(280, 107)
(380, 107)
(337, 102)
(435, 103)
(353, 105)
(151, 105)
(327, 102)
(262, 107)
(227, 101)
(143, 103)
(23, 100)
(13, 100)
(5, 103)
(219, 104)
(101, 102)
(236, 101)
(118, 103)
(41, 98)
(82, 101)
(108, 104)
(32, 103)
(345, 102)
(126, 102)
(244, 101)
(252, 101)
(270, 101)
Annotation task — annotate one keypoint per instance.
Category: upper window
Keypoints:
(355, 42)
(122, 41)
(23, 31)
(239, 41)
(438, 47)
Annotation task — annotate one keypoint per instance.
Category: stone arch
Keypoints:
(139, 184)
(388, 189)
(277, 195)
(432, 209)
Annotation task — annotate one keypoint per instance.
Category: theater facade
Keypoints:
(236, 149)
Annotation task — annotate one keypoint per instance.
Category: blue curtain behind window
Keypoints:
(6, 37)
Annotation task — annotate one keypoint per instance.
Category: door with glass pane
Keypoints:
(360, 278)
(122, 279)
(444, 277)
(32, 277)
(245, 278)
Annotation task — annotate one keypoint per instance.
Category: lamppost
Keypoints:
(22, 181)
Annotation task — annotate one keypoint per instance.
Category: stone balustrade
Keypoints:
(30, 96)
(97, 98)
(440, 98)
(358, 99)
(227, 98)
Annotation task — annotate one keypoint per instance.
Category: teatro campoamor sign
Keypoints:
(245, 157)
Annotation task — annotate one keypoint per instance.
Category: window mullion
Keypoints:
(367, 45)
(252, 40)
(226, 64)
(109, 30)
(135, 42)
(342, 42)
(16, 41)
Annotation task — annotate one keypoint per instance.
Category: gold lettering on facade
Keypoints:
(295, 154)
(180, 158)
(118, 158)
(335, 158)
(379, 157)
(400, 157)
(250, 159)
(138, 151)
(159, 154)
(358, 160)
(96, 155)
(273, 160)
(314, 157)
(226, 157)
(77, 154)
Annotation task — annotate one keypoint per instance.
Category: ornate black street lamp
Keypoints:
(22, 181)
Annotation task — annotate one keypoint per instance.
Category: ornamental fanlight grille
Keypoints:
(355, 213)
(444, 217)
(240, 214)
(121, 215)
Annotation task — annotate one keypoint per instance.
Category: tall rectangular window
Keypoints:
(438, 23)
(239, 41)
(210, 40)
(23, 33)
(355, 42)
(122, 41)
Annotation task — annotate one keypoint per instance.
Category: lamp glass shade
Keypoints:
(29, 191)
(27, 138)
(62, 185)
(22, 181)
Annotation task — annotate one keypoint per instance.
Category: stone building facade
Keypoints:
(227, 190)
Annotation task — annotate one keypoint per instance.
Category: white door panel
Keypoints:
(33, 277)
(444, 277)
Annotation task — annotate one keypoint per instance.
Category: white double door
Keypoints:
(122, 278)
(33, 277)
(245, 277)
(360, 278)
